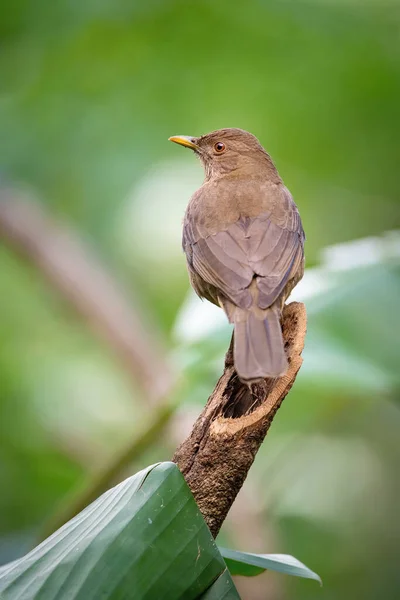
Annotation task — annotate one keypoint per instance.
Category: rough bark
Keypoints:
(224, 441)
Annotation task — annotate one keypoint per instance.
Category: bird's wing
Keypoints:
(268, 247)
(276, 248)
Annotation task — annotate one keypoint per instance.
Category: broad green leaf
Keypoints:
(143, 539)
(246, 563)
(222, 589)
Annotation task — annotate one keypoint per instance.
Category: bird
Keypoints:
(244, 245)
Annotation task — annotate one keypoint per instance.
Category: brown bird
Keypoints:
(244, 244)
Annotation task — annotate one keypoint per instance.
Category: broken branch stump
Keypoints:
(224, 441)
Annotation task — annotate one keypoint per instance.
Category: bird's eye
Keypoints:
(219, 147)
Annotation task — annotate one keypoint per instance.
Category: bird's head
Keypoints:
(227, 150)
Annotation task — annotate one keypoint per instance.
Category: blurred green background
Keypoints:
(89, 94)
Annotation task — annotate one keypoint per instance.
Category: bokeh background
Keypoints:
(89, 94)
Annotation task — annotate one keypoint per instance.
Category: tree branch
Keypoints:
(224, 441)
(72, 268)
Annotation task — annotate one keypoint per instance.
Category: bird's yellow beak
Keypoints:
(184, 140)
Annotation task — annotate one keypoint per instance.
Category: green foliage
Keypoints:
(222, 589)
(90, 93)
(248, 564)
(143, 539)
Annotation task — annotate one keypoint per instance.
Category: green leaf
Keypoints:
(222, 589)
(143, 539)
(248, 564)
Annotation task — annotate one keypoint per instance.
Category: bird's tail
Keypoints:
(258, 344)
